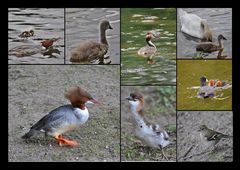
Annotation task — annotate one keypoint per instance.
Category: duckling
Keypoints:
(90, 51)
(26, 34)
(149, 50)
(49, 42)
(195, 26)
(211, 46)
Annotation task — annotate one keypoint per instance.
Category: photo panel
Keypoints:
(93, 35)
(204, 33)
(205, 136)
(148, 123)
(73, 130)
(36, 36)
(148, 46)
(204, 85)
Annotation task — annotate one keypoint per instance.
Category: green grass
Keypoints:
(189, 73)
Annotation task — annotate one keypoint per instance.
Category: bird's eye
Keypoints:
(141, 126)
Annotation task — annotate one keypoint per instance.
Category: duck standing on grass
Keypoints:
(64, 118)
(150, 134)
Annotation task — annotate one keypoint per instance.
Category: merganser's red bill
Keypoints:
(95, 101)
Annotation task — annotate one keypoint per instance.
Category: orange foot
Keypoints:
(62, 141)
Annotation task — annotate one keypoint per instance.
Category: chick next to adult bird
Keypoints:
(64, 118)
(150, 134)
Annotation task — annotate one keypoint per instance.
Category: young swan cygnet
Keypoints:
(90, 51)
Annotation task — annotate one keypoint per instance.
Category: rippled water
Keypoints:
(219, 21)
(47, 23)
(83, 24)
(135, 22)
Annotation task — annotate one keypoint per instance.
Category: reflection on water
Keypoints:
(219, 21)
(135, 24)
(83, 24)
(46, 23)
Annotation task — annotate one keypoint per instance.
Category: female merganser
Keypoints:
(195, 26)
(149, 50)
(26, 34)
(206, 91)
(64, 118)
(90, 51)
(49, 42)
(150, 134)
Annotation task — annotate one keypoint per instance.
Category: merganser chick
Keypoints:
(150, 134)
(64, 118)
(149, 50)
(89, 51)
(26, 34)
(49, 42)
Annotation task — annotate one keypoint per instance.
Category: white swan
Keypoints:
(195, 26)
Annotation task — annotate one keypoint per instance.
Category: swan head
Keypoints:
(206, 31)
(221, 37)
(105, 25)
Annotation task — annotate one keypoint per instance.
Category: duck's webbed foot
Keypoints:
(101, 60)
(163, 154)
(62, 141)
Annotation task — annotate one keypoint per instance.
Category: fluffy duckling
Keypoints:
(26, 34)
(195, 26)
(89, 51)
(64, 118)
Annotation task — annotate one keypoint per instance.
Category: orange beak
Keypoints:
(94, 101)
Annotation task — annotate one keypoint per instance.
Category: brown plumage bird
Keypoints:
(49, 42)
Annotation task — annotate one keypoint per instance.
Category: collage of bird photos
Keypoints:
(120, 85)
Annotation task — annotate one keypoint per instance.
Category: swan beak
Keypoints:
(110, 27)
(224, 38)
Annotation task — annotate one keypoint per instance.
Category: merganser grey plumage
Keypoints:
(64, 118)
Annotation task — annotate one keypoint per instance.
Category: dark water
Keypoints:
(83, 24)
(219, 21)
(135, 22)
(46, 23)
